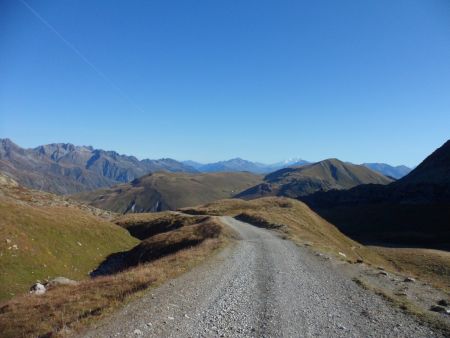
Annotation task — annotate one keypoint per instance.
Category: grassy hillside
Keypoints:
(45, 236)
(169, 191)
(321, 176)
(168, 252)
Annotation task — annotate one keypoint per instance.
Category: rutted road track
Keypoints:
(263, 286)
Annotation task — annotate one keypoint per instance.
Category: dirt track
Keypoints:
(263, 286)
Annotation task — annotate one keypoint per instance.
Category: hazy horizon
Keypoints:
(209, 81)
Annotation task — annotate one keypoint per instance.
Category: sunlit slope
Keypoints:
(43, 236)
(169, 191)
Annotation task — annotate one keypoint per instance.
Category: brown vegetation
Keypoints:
(295, 220)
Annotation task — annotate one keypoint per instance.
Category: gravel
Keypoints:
(263, 286)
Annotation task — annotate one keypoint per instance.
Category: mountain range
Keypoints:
(239, 164)
(170, 191)
(396, 172)
(309, 178)
(64, 168)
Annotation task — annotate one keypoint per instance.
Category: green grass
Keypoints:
(52, 241)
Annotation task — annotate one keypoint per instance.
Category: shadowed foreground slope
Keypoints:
(414, 210)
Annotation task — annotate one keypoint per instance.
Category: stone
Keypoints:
(137, 332)
(38, 289)
(409, 280)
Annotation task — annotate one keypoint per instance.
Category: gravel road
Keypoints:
(263, 286)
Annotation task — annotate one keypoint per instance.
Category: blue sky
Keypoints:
(363, 81)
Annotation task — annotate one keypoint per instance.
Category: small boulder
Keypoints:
(409, 280)
(342, 254)
(38, 289)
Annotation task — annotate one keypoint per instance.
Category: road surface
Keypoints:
(263, 286)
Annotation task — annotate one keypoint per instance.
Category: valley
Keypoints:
(207, 169)
(129, 251)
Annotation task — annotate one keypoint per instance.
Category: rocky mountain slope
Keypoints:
(64, 168)
(45, 236)
(414, 209)
(321, 176)
(396, 172)
(169, 191)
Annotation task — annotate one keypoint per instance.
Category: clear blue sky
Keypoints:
(363, 81)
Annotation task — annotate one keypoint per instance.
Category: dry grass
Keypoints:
(431, 266)
(63, 310)
(296, 220)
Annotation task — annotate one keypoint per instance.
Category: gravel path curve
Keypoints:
(263, 286)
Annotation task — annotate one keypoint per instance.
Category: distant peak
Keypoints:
(331, 161)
